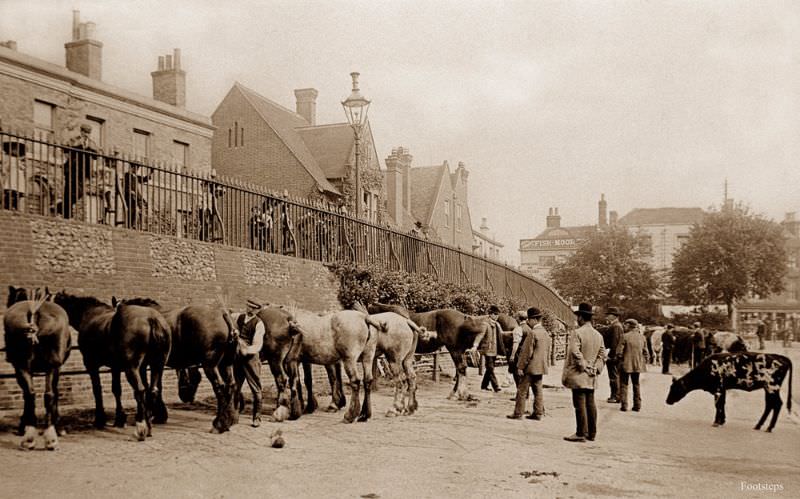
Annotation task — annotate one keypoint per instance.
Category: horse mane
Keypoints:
(141, 301)
(83, 301)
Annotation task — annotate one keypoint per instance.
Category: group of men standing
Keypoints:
(586, 355)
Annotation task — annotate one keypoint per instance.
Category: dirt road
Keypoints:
(448, 449)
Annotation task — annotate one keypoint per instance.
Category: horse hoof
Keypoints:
(140, 433)
(29, 439)
(362, 419)
(51, 438)
(391, 413)
(348, 418)
(332, 408)
(119, 422)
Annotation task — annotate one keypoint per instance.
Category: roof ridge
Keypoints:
(284, 108)
(326, 125)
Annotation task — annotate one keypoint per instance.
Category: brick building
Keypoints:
(430, 195)
(50, 102)
(262, 142)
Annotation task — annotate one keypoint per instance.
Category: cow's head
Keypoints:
(676, 391)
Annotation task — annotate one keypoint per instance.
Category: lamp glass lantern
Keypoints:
(356, 108)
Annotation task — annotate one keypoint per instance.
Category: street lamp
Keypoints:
(355, 108)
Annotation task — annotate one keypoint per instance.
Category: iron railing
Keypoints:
(78, 181)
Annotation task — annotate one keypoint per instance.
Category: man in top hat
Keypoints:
(584, 360)
(77, 168)
(614, 337)
(531, 365)
(632, 351)
(248, 364)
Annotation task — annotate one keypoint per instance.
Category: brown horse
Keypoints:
(344, 337)
(37, 340)
(202, 335)
(455, 331)
(126, 338)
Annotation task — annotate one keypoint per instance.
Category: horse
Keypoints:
(344, 337)
(458, 333)
(398, 343)
(202, 335)
(125, 338)
(38, 340)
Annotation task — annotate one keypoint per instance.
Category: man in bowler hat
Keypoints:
(584, 360)
(531, 366)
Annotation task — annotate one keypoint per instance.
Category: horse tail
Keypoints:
(160, 340)
(233, 331)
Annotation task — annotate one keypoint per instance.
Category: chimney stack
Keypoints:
(553, 219)
(484, 226)
(613, 216)
(84, 53)
(169, 80)
(394, 186)
(602, 220)
(307, 104)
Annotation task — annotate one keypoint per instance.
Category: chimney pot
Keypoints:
(168, 61)
(176, 58)
(306, 104)
(161, 63)
(169, 81)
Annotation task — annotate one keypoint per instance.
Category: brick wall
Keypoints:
(127, 263)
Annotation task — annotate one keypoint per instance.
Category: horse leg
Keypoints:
(158, 408)
(51, 412)
(355, 387)
(366, 406)
(230, 412)
(312, 404)
(411, 380)
(460, 388)
(221, 422)
(120, 418)
(134, 378)
(97, 391)
(777, 403)
(375, 374)
(239, 379)
(295, 392)
(719, 403)
(28, 423)
(334, 373)
(281, 383)
(339, 397)
(398, 381)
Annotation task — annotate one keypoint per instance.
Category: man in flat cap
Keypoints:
(81, 153)
(531, 366)
(248, 363)
(614, 337)
(632, 351)
(584, 361)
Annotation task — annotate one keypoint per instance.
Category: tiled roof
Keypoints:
(480, 235)
(425, 184)
(331, 145)
(284, 122)
(663, 216)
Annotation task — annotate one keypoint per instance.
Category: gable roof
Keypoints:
(426, 183)
(663, 216)
(284, 123)
(330, 145)
(574, 232)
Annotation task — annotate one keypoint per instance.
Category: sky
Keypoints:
(548, 104)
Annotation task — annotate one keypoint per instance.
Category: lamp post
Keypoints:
(355, 108)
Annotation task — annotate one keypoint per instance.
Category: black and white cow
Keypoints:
(738, 371)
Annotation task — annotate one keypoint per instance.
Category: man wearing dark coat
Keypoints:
(667, 342)
(531, 365)
(81, 153)
(615, 333)
(632, 352)
(489, 347)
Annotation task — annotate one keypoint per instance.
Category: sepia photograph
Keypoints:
(399, 249)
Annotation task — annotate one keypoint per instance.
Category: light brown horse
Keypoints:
(348, 337)
(37, 340)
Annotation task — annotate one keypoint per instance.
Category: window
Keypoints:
(458, 217)
(241, 136)
(230, 137)
(180, 154)
(141, 144)
(98, 130)
(236, 133)
(447, 213)
(646, 244)
(43, 114)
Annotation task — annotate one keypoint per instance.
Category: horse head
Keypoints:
(15, 295)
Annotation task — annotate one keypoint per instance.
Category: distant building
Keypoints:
(50, 102)
(783, 309)
(484, 244)
(265, 143)
(663, 231)
(556, 243)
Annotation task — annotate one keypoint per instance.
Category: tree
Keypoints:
(608, 269)
(730, 255)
